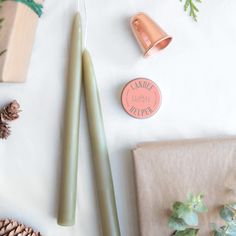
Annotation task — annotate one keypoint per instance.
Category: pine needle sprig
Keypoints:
(190, 5)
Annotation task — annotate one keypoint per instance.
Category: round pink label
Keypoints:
(141, 98)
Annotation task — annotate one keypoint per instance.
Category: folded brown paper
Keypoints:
(17, 38)
(166, 171)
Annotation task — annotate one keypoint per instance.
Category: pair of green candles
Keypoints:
(81, 67)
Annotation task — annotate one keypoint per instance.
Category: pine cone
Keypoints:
(11, 111)
(14, 228)
(4, 131)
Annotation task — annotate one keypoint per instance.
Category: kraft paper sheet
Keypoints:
(165, 172)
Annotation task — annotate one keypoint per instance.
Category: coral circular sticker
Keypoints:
(141, 98)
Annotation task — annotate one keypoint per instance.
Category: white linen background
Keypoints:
(196, 75)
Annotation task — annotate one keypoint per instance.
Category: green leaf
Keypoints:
(185, 212)
(201, 207)
(190, 218)
(227, 214)
(176, 223)
(184, 215)
(197, 203)
(193, 200)
(181, 209)
(177, 205)
(232, 225)
(187, 232)
(226, 230)
(220, 231)
(231, 230)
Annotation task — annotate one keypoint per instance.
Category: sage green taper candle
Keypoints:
(106, 197)
(67, 202)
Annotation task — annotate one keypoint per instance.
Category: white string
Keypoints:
(83, 11)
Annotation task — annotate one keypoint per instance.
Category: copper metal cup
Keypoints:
(149, 35)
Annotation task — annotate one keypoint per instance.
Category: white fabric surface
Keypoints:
(197, 77)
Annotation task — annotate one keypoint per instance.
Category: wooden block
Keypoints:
(17, 37)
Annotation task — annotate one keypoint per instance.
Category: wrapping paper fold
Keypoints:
(165, 172)
(16, 37)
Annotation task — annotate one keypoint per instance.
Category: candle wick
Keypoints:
(82, 8)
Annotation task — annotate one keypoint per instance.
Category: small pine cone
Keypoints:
(4, 130)
(14, 228)
(11, 111)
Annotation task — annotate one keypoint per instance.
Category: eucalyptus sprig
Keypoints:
(184, 217)
(191, 6)
(228, 214)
